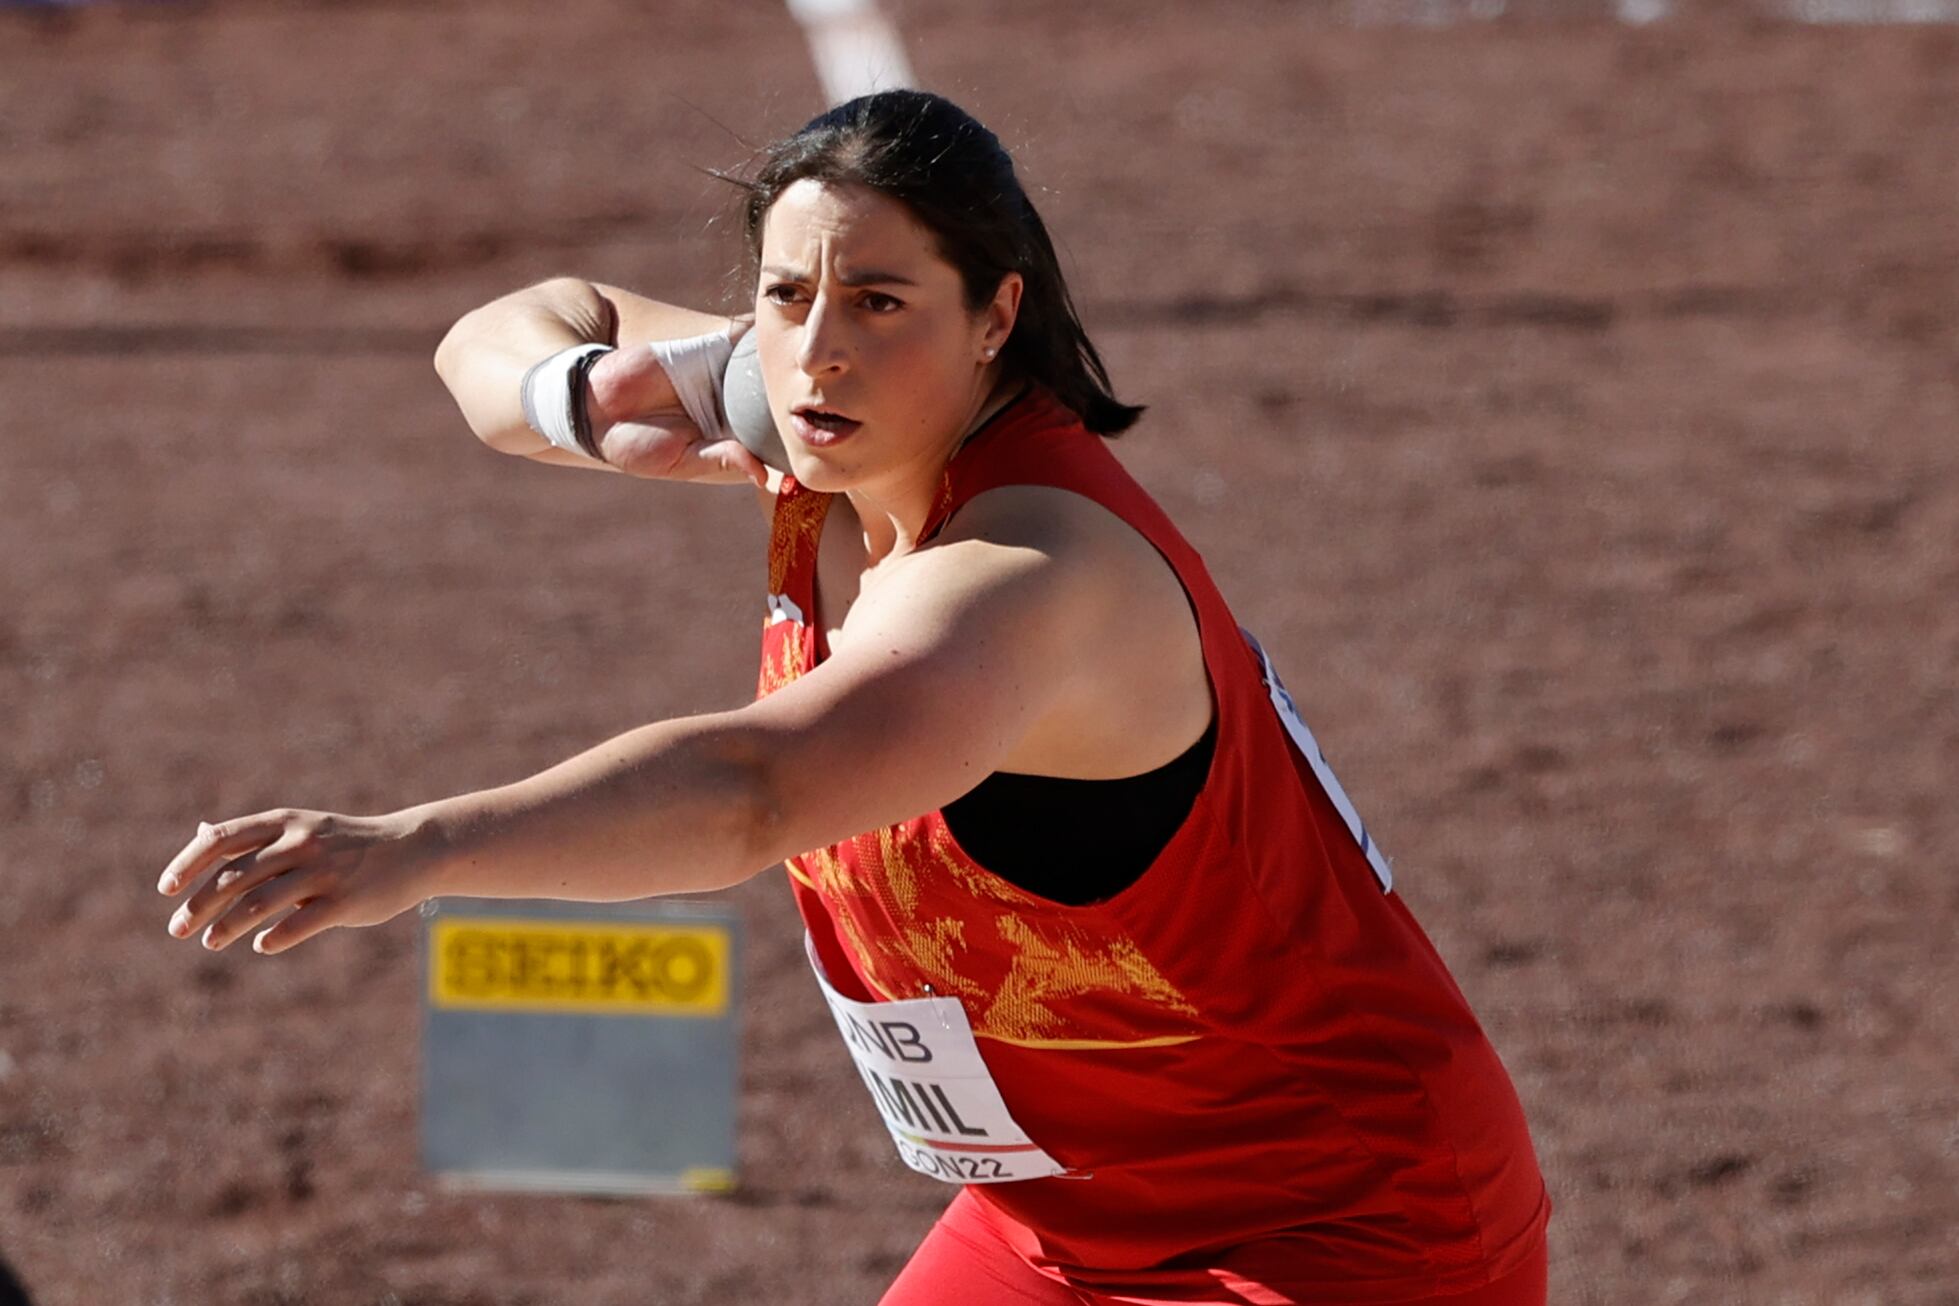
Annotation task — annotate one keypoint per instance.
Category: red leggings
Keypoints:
(963, 1262)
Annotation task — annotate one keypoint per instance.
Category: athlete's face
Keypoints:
(874, 366)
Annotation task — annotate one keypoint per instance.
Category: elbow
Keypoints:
(452, 360)
(753, 827)
(446, 350)
(767, 840)
(467, 334)
(741, 817)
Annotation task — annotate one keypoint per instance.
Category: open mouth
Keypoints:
(818, 425)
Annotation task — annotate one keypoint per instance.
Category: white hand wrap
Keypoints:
(554, 398)
(695, 366)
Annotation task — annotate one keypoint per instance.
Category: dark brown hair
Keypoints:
(953, 174)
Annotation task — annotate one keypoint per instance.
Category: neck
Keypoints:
(892, 511)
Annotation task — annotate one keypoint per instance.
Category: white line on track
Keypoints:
(855, 47)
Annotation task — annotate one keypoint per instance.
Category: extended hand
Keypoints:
(336, 870)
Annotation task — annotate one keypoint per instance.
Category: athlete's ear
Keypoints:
(999, 317)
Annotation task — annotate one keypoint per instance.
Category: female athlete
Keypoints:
(1106, 940)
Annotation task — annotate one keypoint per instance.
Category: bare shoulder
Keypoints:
(1017, 559)
(1138, 693)
(1085, 543)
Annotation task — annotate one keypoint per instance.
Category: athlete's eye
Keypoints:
(780, 294)
(877, 302)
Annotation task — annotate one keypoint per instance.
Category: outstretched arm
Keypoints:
(951, 662)
(635, 414)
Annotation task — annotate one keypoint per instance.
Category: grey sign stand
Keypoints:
(580, 1047)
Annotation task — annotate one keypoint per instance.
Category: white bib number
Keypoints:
(1309, 748)
(932, 1089)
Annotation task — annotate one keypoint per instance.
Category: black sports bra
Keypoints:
(1078, 841)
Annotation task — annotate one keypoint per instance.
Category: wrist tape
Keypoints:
(554, 398)
(724, 401)
(695, 366)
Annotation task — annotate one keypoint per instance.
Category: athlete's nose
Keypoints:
(823, 350)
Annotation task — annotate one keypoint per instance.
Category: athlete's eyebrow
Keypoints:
(865, 277)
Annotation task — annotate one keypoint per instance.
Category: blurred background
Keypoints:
(1567, 394)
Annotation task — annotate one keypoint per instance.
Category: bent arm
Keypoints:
(483, 358)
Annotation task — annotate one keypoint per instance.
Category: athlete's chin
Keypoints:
(826, 473)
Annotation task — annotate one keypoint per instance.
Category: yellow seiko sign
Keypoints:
(492, 963)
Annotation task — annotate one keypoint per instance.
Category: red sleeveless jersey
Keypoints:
(1274, 1088)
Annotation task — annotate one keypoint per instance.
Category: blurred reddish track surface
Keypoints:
(1571, 409)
